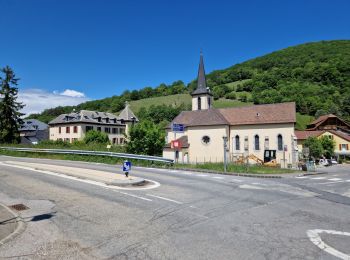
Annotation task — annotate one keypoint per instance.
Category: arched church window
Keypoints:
(199, 103)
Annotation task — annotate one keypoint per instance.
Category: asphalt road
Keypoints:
(189, 216)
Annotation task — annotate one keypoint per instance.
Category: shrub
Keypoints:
(96, 137)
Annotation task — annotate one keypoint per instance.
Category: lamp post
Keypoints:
(224, 138)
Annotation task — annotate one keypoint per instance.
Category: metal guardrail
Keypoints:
(83, 152)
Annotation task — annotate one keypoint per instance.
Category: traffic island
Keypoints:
(106, 177)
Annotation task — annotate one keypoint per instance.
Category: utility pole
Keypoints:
(224, 138)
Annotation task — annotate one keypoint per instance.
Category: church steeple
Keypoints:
(201, 96)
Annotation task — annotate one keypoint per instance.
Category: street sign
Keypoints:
(180, 128)
(126, 166)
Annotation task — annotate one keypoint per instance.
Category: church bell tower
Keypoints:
(202, 98)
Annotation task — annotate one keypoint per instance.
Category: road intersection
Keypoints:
(190, 215)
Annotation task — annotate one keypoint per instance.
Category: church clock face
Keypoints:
(206, 140)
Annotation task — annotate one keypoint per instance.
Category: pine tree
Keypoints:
(10, 117)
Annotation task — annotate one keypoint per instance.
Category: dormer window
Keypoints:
(99, 119)
(107, 120)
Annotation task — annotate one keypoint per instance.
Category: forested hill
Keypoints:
(314, 75)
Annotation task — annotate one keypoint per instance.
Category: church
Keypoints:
(258, 133)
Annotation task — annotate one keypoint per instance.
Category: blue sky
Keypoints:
(66, 52)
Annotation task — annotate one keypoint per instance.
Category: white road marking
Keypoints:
(202, 175)
(162, 198)
(318, 178)
(132, 195)
(335, 179)
(251, 187)
(218, 177)
(347, 180)
(316, 239)
(302, 177)
(96, 183)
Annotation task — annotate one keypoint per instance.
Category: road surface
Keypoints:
(189, 216)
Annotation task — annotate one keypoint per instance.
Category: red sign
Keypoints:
(176, 144)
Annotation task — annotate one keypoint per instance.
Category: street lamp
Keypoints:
(224, 138)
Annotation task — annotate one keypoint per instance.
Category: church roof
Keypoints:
(201, 81)
(200, 118)
(249, 115)
(260, 114)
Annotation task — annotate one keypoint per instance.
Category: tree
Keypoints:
(10, 117)
(328, 146)
(315, 147)
(146, 138)
(96, 137)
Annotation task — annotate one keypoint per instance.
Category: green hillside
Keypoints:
(314, 75)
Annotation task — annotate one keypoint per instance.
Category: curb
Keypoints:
(123, 183)
(19, 229)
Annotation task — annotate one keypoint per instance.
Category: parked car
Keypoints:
(323, 162)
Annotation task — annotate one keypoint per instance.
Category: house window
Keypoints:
(114, 130)
(99, 119)
(75, 129)
(199, 103)
(99, 128)
(67, 130)
(114, 140)
(246, 143)
(59, 130)
(122, 131)
(205, 139)
(121, 141)
(256, 143)
(107, 120)
(344, 147)
(89, 128)
(266, 144)
(74, 139)
(237, 143)
(280, 142)
(67, 140)
(209, 102)
(107, 130)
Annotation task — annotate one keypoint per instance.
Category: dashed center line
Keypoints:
(318, 178)
(202, 175)
(334, 179)
(162, 198)
(218, 177)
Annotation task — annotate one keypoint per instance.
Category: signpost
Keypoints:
(176, 144)
(126, 168)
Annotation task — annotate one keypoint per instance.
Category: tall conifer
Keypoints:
(10, 115)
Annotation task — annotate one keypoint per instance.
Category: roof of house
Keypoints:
(183, 140)
(127, 114)
(84, 116)
(303, 135)
(33, 125)
(341, 134)
(249, 115)
(314, 124)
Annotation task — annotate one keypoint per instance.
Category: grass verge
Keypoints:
(234, 168)
(231, 168)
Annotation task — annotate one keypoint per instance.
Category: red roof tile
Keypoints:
(303, 135)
